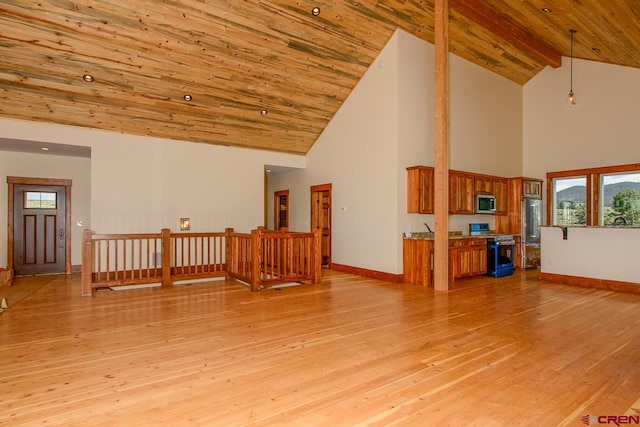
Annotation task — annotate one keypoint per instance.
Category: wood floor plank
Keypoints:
(348, 351)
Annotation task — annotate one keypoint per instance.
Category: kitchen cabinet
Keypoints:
(461, 192)
(470, 257)
(496, 186)
(420, 189)
(532, 188)
(467, 257)
(518, 188)
(517, 256)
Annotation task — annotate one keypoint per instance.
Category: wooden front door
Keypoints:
(281, 207)
(321, 218)
(39, 229)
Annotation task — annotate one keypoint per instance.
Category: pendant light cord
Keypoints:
(571, 62)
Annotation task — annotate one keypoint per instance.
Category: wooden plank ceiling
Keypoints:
(237, 58)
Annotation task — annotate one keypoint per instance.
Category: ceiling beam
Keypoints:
(508, 30)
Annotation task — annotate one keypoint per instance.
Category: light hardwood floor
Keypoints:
(349, 351)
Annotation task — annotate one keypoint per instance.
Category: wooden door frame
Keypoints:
(315, 189)
(276, 208)
(18, 180)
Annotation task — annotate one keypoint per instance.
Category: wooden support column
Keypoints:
(441, 178)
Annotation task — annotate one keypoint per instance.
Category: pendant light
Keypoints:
(572, 97)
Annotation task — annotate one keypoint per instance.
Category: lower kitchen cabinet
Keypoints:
(517, 256)
(470, 257)
(467, 257)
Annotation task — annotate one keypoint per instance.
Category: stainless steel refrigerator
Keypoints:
(531, 222)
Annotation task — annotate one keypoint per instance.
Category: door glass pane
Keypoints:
(39, 200)
(621, 199)
(569, 198)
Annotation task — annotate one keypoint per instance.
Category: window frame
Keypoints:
(592, 203)
(25, 202)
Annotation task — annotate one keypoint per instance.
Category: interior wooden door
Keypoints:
(39, 232)
(281, 209)
(321, 218)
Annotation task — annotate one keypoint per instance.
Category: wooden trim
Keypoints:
(589, 282)
(600, 170)
(38, 181)
(372, 274)
(276, 208)
(592, 177)
(595, 209)
(20, 180)
(589, 200)
(10, 209)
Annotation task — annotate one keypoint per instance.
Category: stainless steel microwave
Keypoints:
(485, 204)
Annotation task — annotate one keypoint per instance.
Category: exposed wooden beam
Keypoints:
(507, 29)
(441, 177)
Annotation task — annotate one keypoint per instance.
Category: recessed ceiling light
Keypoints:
(546, 10)
(87, 78)
(264, 112)
(315, 11)
(187, 97)
(44, 149)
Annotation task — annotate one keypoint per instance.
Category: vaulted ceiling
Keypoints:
(265, 74)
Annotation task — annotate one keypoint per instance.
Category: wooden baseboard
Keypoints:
(76, 268)
(373, 274)
(610, 285)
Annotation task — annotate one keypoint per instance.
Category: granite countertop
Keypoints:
(590, 226)
(416, 235)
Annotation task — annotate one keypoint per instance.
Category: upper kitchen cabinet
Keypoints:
(501, 191)
(461, 192)
(532, 187)
(420, 189)
(496, 186)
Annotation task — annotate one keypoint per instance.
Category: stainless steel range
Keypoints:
(500, 250)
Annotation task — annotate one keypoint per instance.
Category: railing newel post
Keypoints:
(228, 256)
(256, 240)
(317, 256)
(87, 262)
(166, 257)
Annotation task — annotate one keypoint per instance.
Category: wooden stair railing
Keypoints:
(261, 258)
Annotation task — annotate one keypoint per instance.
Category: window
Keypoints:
(605, 196)
(39, 200)
(620, 201)
(569, 201)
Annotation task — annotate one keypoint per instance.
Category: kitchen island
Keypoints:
(600, 257)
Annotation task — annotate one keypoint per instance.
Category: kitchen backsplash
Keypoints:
(456, 222)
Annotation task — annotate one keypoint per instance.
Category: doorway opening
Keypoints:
(281, 209)
(39, 225)
(321, 218)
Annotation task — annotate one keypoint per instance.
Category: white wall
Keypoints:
(78, 169)
(601, 130)
(485, 124)
(593, 252)
(356, 153)
(141, 184)
(386, 125)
